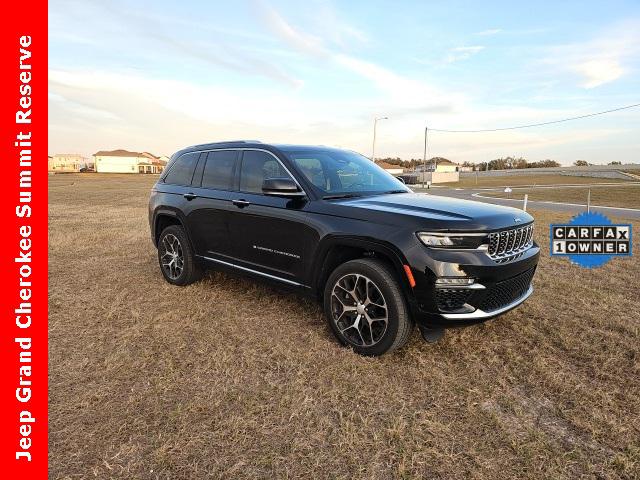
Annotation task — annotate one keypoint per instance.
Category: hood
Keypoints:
(440, 213)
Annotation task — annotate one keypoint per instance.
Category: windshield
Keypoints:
(340, 172)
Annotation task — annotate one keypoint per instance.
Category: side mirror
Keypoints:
(281, 187)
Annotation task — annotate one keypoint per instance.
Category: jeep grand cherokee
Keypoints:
(334, 225)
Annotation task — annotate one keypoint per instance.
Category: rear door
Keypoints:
(176, 185)
(270, 234)
(213, 189)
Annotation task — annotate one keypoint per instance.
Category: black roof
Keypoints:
(287, 147)
(254, 143)
(226, 143)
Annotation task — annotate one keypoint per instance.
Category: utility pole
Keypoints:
(373, 148)
(424, 158)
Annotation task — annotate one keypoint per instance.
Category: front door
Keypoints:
(270, 234)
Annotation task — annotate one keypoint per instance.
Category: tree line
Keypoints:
(506, 163)
(584, 163)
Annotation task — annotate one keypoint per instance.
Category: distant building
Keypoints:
(66, 162)
(124, 161)
(442, 165)
(392, 169)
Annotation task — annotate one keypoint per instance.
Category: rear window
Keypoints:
(219, 171)
(181, 171)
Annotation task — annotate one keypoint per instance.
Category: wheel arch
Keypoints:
(337, 250)
(164, 217)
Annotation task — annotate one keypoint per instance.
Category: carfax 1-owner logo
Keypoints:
(591, 239)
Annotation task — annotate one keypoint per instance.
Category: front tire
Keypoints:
(365, 307)
(175, 256)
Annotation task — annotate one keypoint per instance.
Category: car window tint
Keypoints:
(181, 171)
(256, 167)
(341, 171)
(197, 174)
(219, 170)
(312, 169)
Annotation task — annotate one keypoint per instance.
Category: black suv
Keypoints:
(332, 224)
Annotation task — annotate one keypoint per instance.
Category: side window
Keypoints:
(312, 169)
(256, 167)
(219, 170)
(197, 175)
(181, 171)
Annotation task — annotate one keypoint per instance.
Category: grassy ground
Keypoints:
(231, 379)
(627, 196)
(515, 180)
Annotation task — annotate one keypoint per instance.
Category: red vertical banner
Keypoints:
(23, 253)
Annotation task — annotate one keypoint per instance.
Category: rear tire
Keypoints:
(175, 256)
(365, 307)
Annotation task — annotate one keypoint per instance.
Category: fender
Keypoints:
(366, 243)
(169, 212)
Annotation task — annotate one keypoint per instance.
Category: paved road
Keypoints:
(474, 194)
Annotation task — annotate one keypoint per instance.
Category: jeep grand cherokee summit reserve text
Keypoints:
(334, 225)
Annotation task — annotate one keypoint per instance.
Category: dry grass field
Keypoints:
(527, 180)
(228, 378)
(626, 196)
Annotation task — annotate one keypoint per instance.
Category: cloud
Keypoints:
(597, 72)
(602, 59)
(342, 33)
(491, 31)
(400, 91)
(302, 42)
(462, 53)
(89, 111)
(210, 47)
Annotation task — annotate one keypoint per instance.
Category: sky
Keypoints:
(160, 75)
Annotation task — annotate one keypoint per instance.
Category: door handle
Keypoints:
(190, 196)
(241, 203)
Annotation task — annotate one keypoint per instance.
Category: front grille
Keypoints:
(451, 299)
(507, 243)
(505, 292)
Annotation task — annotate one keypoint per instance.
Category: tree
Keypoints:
(581, 163)
(615, 163)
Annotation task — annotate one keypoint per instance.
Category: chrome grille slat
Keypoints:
(505, 244)
(511, 239)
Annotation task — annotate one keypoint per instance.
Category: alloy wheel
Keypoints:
(359, 310)
(172, 258)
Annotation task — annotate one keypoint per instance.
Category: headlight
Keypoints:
(452, 240)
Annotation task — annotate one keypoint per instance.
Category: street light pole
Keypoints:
(424, 159)
(373, 148)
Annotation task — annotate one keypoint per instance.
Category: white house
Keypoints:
(66, 162)
(124, 161)
(442, 165)
(392, 169)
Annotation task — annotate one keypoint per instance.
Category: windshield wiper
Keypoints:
(396, 191)
(342, 195)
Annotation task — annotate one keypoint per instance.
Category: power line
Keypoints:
(535, 124)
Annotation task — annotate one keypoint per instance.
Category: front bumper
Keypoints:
(497, 287)
(479, 315)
